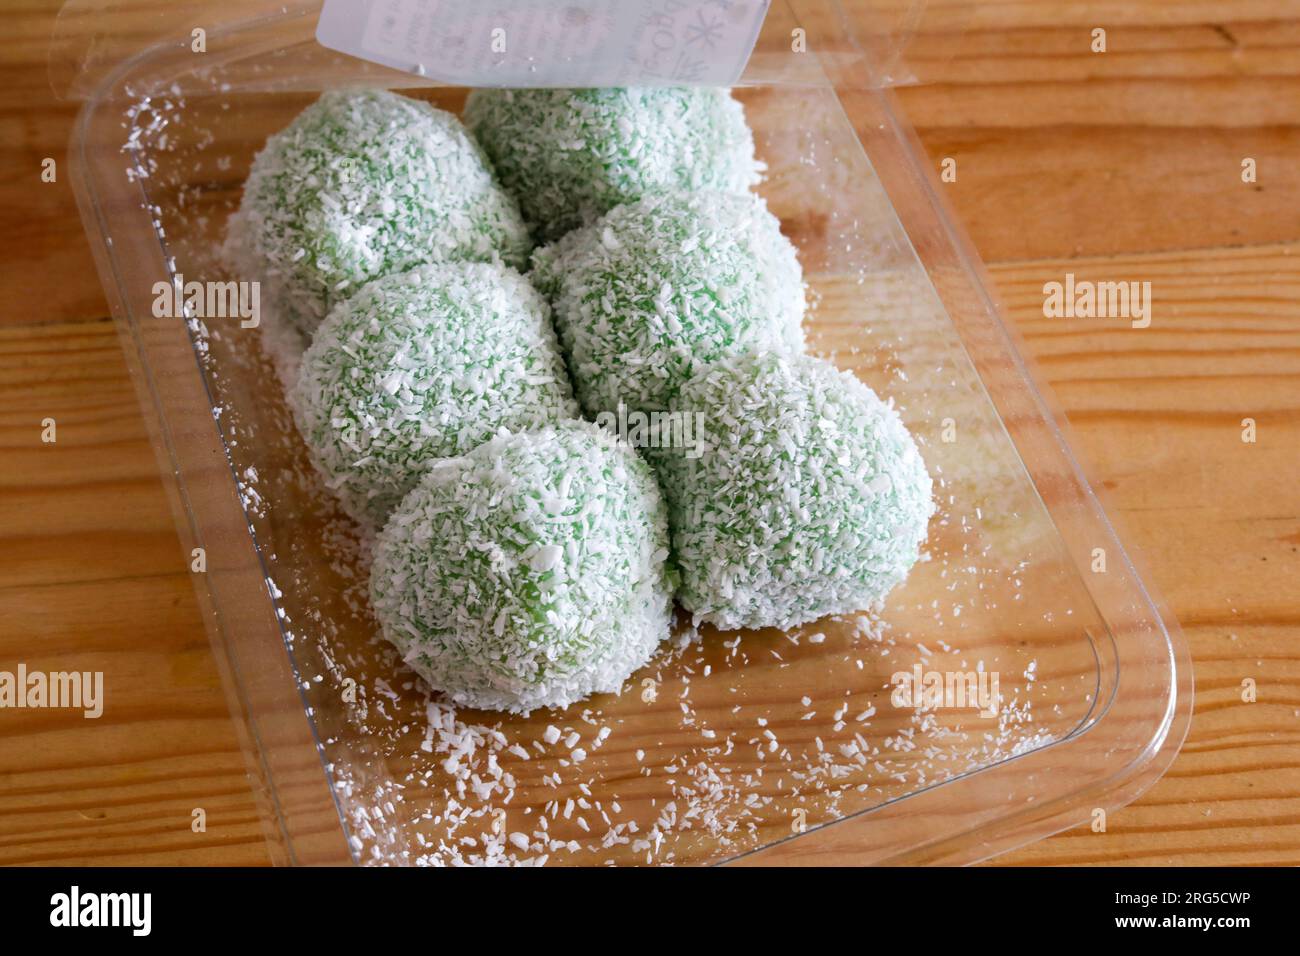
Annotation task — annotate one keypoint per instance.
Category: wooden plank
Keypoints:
(1069, 161)
(111, 519)
(122, 788)
(1217, 521)
(92, 577)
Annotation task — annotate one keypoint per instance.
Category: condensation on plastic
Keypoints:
(163, 142)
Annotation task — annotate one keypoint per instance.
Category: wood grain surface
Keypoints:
(1123, 165)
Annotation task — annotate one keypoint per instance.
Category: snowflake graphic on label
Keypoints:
(707, 30)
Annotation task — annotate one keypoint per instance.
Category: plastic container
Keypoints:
(774, 747)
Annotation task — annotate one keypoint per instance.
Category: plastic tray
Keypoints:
(760, 747)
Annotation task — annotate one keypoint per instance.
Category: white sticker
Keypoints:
(565, 43)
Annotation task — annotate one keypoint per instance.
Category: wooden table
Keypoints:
(1123, 165)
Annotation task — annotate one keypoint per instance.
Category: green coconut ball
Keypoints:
(657, 288)
(810, 496)
(570, 155)
(529, 573)
(421, 365)
(364, 184)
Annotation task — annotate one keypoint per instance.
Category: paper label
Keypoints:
(564, 43)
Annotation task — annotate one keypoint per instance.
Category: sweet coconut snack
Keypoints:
(659, 287)
(569, 156)
(364, 184)
(810, 497)
(532, 572)
(422, 365)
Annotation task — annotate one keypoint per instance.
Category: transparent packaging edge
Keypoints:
(972, 833)
(300, 816)
(1128, 601)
